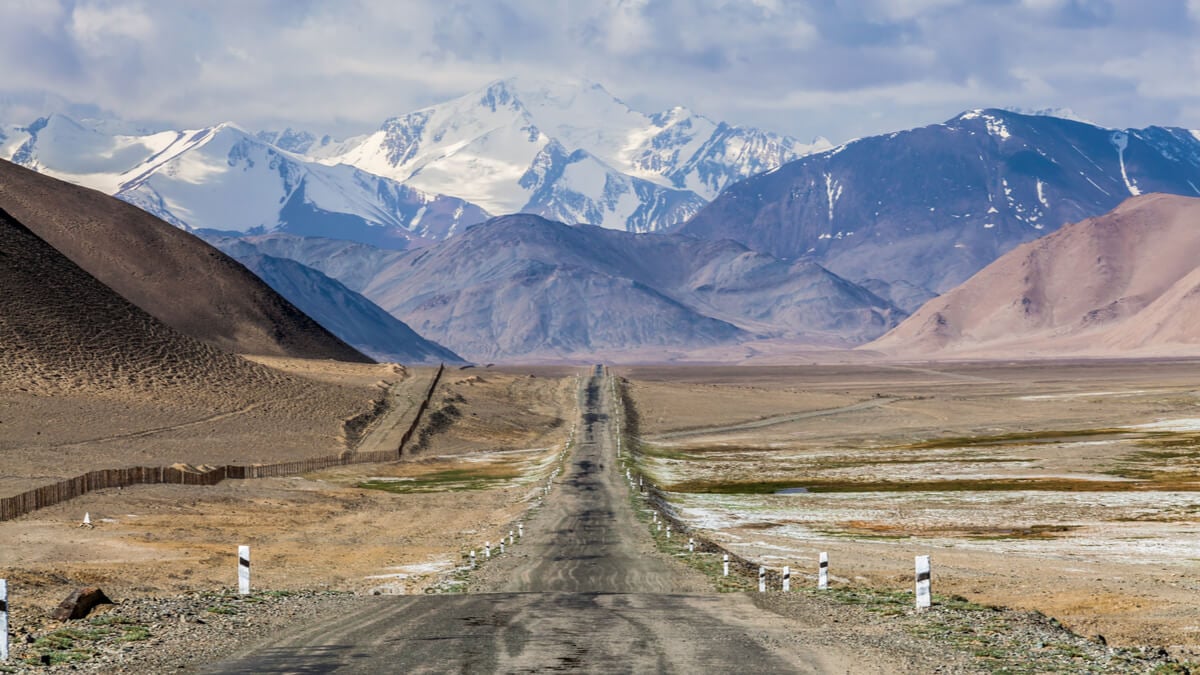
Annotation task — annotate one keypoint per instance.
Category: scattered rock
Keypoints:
(80, 603)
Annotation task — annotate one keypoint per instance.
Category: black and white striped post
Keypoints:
(521, 530)
(787, 578)
(472, 558)
(243, 570)
(823, 571)
(924, 574)
(502, 546)
(511, 540)
(725, 565)
(487, 550)
(691, 545)
(762, 579)
(3, 619)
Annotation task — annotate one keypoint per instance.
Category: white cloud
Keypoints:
(835, 68)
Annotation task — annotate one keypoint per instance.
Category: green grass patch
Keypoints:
(1024, 438)
(447, 480)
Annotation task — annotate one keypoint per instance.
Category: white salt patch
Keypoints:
(1185, 424)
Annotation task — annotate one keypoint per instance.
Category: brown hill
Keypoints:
(172, 275)
(1124, 282)
(62, 330)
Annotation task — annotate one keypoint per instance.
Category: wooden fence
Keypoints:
(56, 493)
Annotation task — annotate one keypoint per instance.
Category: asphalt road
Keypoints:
(585, 591)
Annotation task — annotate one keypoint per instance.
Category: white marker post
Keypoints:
(691, 545)
(243, 570)
(725, 564)
(487, 549)
(3, 620)
(668, 531)
(501, 546)
(657, 526)
(762, 579)
(787, 578)
(87, 519)
(924, 573)
(510, 538)
(521, 530)
(823, 571)
(472, 558)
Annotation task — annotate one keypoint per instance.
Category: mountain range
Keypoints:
(567, 151)
(1125, 282)
(526, 288)
(920, 211)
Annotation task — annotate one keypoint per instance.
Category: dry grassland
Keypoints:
(388, 528)
(1068, 487)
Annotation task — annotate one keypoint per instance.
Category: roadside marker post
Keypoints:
(762, 579)
(501, 546)
(668, 531)
(787, 578)
(487, 549)
(657, 526)
(472, 558)
(924, 573)
(3, 619)
(510, 538)
(725, 564)
(823, 571)
(243, 570)
(691, 545)
(521, 530)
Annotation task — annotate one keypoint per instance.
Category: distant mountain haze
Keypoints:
(525, 287)
(1126, 282)
(353, 318)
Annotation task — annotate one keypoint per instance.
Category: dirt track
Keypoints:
(585, 590)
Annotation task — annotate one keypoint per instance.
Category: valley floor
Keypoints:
(1072, 488)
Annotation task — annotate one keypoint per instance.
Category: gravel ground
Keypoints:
(157, 635)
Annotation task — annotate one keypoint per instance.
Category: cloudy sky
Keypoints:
(838, 68)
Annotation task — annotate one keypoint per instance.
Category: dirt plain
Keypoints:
(1068, 487)
(500, 431)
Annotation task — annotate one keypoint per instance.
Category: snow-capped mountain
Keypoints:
(929, 207)
(568, 151)
(224, 179)
(565, 150)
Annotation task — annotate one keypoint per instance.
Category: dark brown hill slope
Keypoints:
(61, 329)
(172, 275)
(1122, 283)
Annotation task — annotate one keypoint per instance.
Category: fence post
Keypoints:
(823, 571)
(3, 620)
(924, 572)
(243, 570)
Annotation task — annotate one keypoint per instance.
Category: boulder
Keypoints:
(80, 603)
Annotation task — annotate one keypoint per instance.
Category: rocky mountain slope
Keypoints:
(522, 287)
(170, 274)
(919, 211)
(1125, 282)
(348, 315)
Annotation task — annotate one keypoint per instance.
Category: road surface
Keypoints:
(585, 591)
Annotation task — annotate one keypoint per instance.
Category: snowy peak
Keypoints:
(506, 145)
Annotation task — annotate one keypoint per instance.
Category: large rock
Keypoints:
(80, 603)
